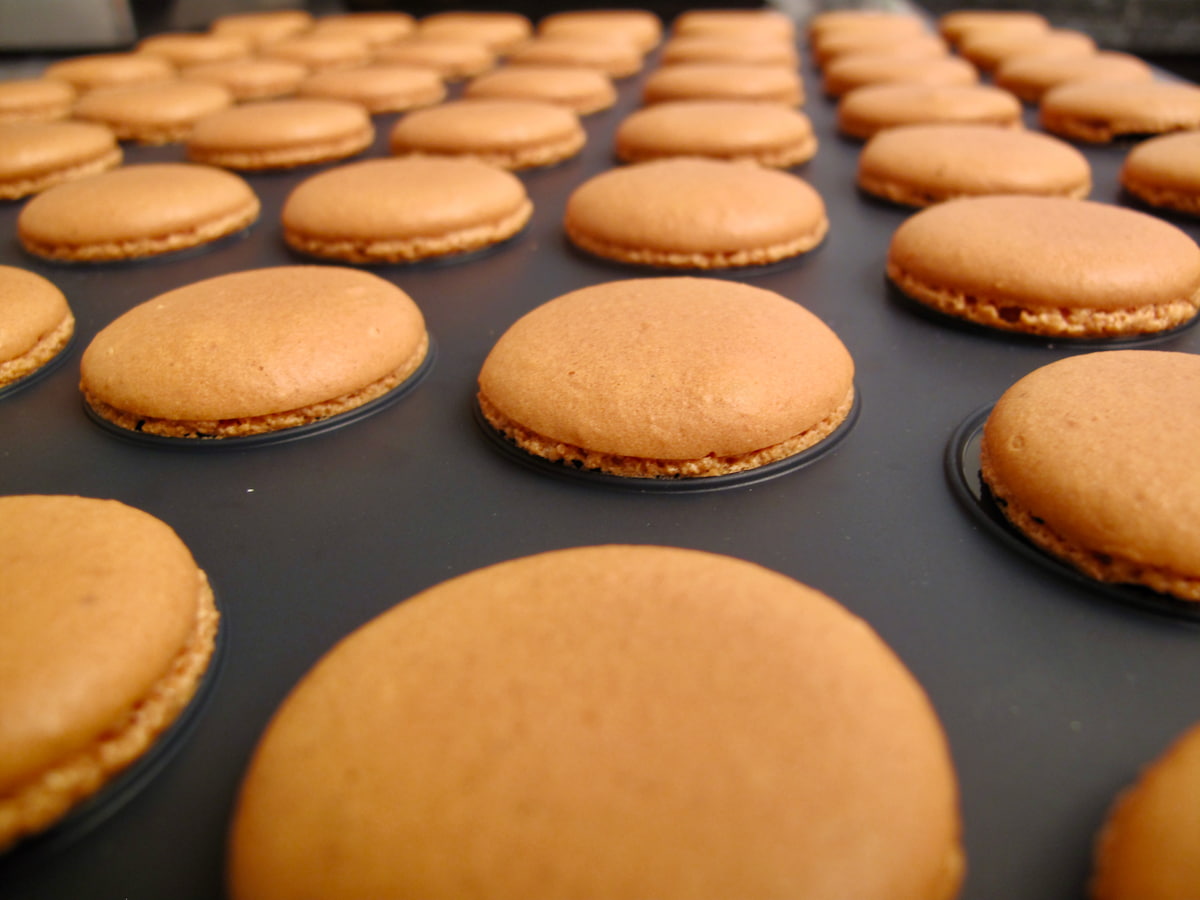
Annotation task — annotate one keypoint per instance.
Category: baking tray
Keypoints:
(1052, 694)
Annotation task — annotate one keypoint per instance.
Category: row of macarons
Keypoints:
(223, 55)
(770, 674)
(695, 214)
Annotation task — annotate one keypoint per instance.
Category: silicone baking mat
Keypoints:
(1052, 694)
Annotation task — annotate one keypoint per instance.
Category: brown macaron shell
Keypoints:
(1163, 171)
(136, 211)
(375, 28)
(1048, 266)
(831, 23)
(583, 90)
(918, 165)
(512, 134)
(378, 88)
(37, 155)
(1144, 850)
(253, 352)
(498, 30)
(695, 214)
(250, 79)
(280, 134)
(740, 24)
(614, 57)
(770, 134)
(839, 45)
(86, 73)
(724, 81)
(989, 50)
(1098, 112)
(188, 49)
(38, 323)
(667, 377)
(640, 27)
(700, 48)
(669, 760)
(857, 70)
(35, 99)
(453, 59)
(1030, 77)
(108, 628)
(319, 53)
(958, 24)
(406, 209)
(153, 113)
(1091, 458)
(867, 110)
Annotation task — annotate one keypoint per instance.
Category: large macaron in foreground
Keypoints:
(1092, 458)
(1049, 266)
(614, 721)
(107, 627)
(254, 352)
(1146, 849)
(667, 378)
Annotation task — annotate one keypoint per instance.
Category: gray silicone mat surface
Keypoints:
(1052, 693)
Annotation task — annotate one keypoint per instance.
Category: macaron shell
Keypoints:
(1029, 77)
(668, 368)
(513, 134)
(97, 70)
(281, 134)
(1047, 253)
(1163, 171)
(989, 50)
(753, 24)
(154, 113)
(453, 59)
(641, 27)
(858, 70)
(615, 57)
(923, 164)
(319, 52)
(250, 79)
(1098, 448)
(499, 31)
(867, 110)
(288, 338)
(36, 155)
(709, 48)
(1099, 112)
(957, 24)
(724, 81)
(187, 49)
(695, 213)
(1143, 851)
(37, 322)
(104, 611)
(378, 88)
(35, 99)
(768, 133)
(726, 746)
(136, 211)
(583, 90)
(404, 208)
